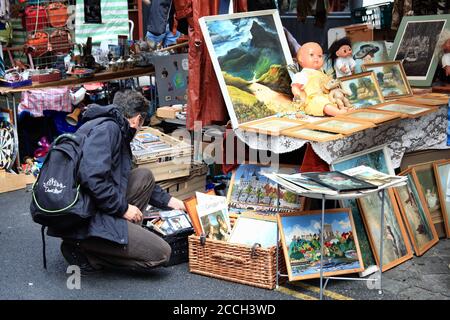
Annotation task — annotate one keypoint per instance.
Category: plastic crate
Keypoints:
(380, 15)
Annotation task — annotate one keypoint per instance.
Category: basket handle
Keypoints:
(228, 257)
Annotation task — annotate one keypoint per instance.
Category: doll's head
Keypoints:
(443, 44)
(341, 48)
(310, 55)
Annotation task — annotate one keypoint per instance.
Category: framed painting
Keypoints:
(442, 173)
(415, 214)
(312, 135)
(336, 180)
(371, 115)
(408, 110)
(340, 125)
(250, 54)
(250, 189)
(368, 52)
(7, 115)
(391, 79)
(191, 209)
(364, 89)
(425, 100)
(415, 45)
(427, 184)
(300, 237)
(396, 246)
(272, 125)
(379, 159)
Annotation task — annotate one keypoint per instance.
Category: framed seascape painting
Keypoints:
(396, 246)
(300, 237)
(415, 45)
(312, 135)
(409, 110)
(368, 52)
(379, 159)
(416, 215)
(426, 183)
(250, 54)
(272, 125)
(363, 88)
(249, 189)
(442, 173)
(371, 115)
(340, 125)
(391, 79)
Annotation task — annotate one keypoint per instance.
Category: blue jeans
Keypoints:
(167, 38)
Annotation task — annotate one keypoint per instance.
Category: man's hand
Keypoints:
(176, 204)
(133, 214)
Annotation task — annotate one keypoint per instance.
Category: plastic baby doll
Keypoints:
(341, 56)
(307, 84)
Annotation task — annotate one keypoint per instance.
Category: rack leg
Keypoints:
(278, 235)
(321, 246)
(383, 194)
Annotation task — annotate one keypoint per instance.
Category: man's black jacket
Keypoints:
(104, 170)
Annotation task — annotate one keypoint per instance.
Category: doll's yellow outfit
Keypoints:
(316, 100)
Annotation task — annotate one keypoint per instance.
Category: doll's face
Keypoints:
(310, 55)
(344, 51)
(446, 46)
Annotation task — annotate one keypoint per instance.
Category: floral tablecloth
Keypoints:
(401, 136)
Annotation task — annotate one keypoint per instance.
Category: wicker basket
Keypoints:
(234, 262)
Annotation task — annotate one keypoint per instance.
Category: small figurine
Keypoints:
(341, 57)
(307, 85)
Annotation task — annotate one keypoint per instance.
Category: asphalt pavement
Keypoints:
(22, 275)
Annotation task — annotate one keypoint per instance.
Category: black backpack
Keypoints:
(57, 199)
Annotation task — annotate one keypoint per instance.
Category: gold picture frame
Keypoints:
(311, 135)
(409, 110)
(415, 213)
(371, 223)
(371, 115)
(304, 269)
(271, 126)
(364, 88)
(337, 125)
(445, 204)
(391, 78)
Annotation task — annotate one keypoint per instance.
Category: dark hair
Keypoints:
(335, 46)
(131, 103)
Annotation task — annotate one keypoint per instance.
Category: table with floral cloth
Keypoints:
(400, 136)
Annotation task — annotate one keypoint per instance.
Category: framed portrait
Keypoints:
(215, 224)
(442, 174)
(415, 214)
(408, 110)
(415, 45)
(250, 189)
(379, 159)
(396, 246)
(272, 125)
(340, 125)
(391, 79)
(368, 52)
(300, 237)
(371, 115)
(311, 135)
(251, 228)
(250, 54)
(336, 180)
(364, 89)
(427, 184)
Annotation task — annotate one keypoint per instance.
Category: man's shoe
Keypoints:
(74, 256)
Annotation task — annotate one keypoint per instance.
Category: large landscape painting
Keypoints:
(250, 57)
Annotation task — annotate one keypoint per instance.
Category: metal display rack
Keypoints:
(342, 196)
